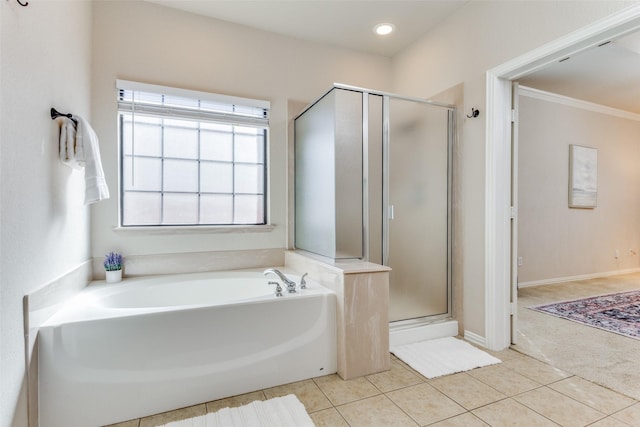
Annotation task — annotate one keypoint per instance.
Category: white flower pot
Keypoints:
(114, 276)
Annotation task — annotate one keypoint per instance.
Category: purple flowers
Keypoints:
(113, 261)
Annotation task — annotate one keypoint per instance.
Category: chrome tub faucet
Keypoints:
(290, 284)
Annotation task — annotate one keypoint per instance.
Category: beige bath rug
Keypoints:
(442, 356)
(286, 411)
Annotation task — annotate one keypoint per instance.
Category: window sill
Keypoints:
(169, 229)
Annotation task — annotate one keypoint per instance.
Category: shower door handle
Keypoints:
(391, 212)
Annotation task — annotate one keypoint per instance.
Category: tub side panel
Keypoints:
(124, 368)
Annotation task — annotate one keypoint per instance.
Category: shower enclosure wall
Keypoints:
(372, 182)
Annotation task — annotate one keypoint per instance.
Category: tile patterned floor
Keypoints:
(521, 391)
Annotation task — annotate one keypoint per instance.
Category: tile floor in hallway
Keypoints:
(520, 391)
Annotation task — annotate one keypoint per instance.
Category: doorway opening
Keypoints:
(501, 216)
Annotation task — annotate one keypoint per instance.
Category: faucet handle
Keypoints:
(303, 283)
(278, 288)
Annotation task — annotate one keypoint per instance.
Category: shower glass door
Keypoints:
(417, 181)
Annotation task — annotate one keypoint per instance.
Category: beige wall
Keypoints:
(483, 35)
(152, 44)
(554, 240)
(46, 62)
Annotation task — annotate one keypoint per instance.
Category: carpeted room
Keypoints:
(570, 253)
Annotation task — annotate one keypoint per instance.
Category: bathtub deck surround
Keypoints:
(153, 344)
(195, 262)
(362, 290)
(39, 306)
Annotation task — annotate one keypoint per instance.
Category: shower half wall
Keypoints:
(373, 182)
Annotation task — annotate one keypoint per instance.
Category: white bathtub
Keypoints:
(148, 345)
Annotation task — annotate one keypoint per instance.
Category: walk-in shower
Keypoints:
(373, 179)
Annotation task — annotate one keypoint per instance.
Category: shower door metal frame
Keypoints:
(366, 226)
(388, 209)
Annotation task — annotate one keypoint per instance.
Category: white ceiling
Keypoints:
(344, 23)
(607, 75)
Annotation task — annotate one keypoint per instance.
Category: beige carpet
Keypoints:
(605, 358)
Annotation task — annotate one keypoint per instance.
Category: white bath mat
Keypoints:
(286, 411)
(442, 356)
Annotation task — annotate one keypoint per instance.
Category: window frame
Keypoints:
(217, 117)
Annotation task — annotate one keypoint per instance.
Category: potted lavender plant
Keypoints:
(113, 267)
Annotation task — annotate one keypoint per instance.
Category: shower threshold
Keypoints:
(416, 330)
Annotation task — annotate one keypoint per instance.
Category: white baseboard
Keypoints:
(574, 278)
(475, 339)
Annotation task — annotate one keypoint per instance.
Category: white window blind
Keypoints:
(191, 158)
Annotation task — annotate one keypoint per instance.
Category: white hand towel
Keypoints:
(79, 148)
(95, 184)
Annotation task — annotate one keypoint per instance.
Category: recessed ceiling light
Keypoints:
(383, 29)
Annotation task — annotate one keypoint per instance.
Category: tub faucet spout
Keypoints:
(290, 284)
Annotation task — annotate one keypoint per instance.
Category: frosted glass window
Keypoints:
(142, 174)
(180, 208)
(141, 208)
(247, 209)
(191, 161)
(216, 177)
(180, 175)
(216, 145)
(216, 209)
(248, 146)
(248, 179)
(148, 136)
(181, 139)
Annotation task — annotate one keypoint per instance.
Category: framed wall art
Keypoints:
(583, 177)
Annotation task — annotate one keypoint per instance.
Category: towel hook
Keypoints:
(25, 4)
(474, 113)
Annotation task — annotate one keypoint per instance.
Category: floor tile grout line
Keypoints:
(402, 410)
(518, 402)
(322, 391)
(602, 419)
(406, 387)
(357, 400)
(482, 382)
(539, 413)
(599, 419)
(454, 416)
(539, 385)
(625, 408)
(351, 401)
(588, 405)
(538, 381)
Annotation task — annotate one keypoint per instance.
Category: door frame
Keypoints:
(498, 170)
